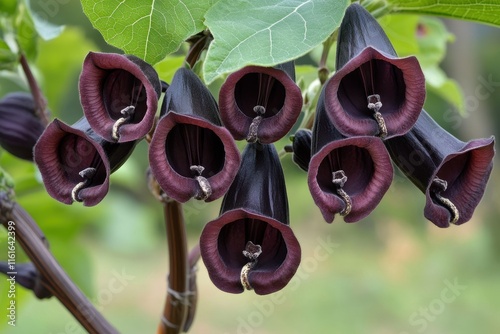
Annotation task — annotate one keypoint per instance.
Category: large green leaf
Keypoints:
(486, 11)
(267, 32)
(149, 29)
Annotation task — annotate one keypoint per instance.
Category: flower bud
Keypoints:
(20, 128)
(302, 148)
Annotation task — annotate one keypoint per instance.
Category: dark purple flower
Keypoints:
(260, 103)
(373, 92)
(452, 173)
(302, 148)
(119, 95)
(20, 128)
(191, 153)
(251, 244)
(75, 163)
(349, 175)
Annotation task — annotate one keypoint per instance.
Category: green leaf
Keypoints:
(446, 88)
(267, 33)
(149, 29)
(8, 59)
(26, 34)
(485, 11)
(167, 67)
(8, 7)
(44, 28)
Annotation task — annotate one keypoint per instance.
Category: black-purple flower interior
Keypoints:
(121, 89)
(357, 164)
(76, 154)
(259, 89)
(234, 236)
(190, 145)
(373, 77)
(456, 173)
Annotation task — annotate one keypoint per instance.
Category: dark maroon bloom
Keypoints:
(373, 92)
(191, 153)
(20, 128)
(119, 95)
(75, 163)
(260, 103)
(346, 175)
(251, 244)
(452, 173)
(302, 148)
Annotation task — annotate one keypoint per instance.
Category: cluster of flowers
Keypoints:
(368, 112)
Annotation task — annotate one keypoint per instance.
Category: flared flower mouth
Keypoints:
(191, 157)
(259, 103)
(459, 182)
(119, 95)
(225, 245)
(375, 94)
(350, 176)
(74, 167)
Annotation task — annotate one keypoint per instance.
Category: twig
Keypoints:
(38, 97)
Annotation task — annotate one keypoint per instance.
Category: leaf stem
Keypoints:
(40, 100)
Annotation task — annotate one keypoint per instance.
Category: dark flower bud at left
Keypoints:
(251, 245)
(28, 277)
(20, 128)
(302, 148)
(451, 173)
(191, 153)
(260, 103)
(373, 92)
(347, 175)
(119, 95)
(75, 163)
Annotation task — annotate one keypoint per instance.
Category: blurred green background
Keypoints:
(393, 272)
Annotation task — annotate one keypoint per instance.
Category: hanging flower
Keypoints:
(373, 92)
(251, 245)
(260, 103)
(119, 95)
(75, 163)
(301, 147)
(349, 175)
(452, 173)
(191, 153)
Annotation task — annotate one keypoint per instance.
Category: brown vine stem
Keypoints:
(32, 240)
(176, 306)
(40, 100)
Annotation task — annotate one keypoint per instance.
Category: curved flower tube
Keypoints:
(251, 245)
(75, 163)
(119, 95)
(451, 173)
(349, 175)
(191, 153)
(260, 103)
(302, 148)
(20, 128)
(373, 92)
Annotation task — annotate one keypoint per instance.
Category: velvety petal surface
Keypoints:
(254, 210)
(188, 134)
(302, 148)
(109, 83)
(273, 89)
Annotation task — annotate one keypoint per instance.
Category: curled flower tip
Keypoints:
(375, 105)
(127, 113)
(254, 126)
(87, 174)
(205, 188)
(339, 179)
(251, 252)
(438, 186)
